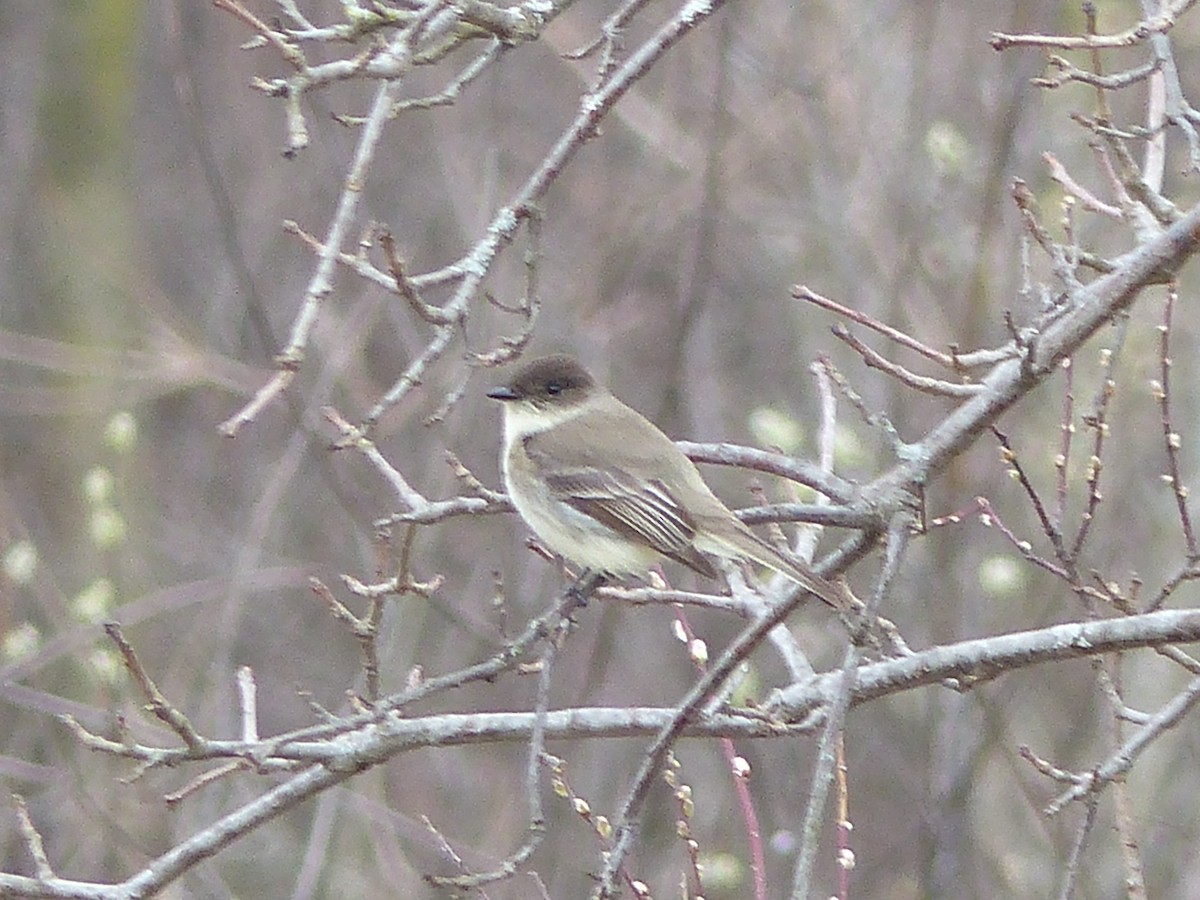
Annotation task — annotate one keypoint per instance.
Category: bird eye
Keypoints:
(554, 388)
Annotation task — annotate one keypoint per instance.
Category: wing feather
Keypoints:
(642, 511)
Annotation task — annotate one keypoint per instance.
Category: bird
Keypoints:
(603, 487)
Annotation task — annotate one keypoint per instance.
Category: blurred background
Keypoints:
(866, 150)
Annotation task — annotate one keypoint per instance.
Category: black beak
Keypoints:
(503, 393)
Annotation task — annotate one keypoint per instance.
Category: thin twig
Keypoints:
(835, 715)
(321, 284)
(953, 361)
(628, 819)
(159, 705)
(1159, 24)
(248, 696)
(1122, 760)
(1171, 438)
(1071, 870)
(922, 383)
(33, 839)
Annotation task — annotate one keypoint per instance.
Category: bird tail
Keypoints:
(746, 544)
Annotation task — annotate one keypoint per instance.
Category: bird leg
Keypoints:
(581, 588)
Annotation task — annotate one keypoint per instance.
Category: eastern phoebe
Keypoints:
(602, 486)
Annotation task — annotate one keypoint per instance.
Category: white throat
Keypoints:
(522, 419)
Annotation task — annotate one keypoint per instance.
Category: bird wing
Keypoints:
(644, 511)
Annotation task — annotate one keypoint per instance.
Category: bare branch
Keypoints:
(1159, 24)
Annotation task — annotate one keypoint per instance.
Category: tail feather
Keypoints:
(747, 544)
